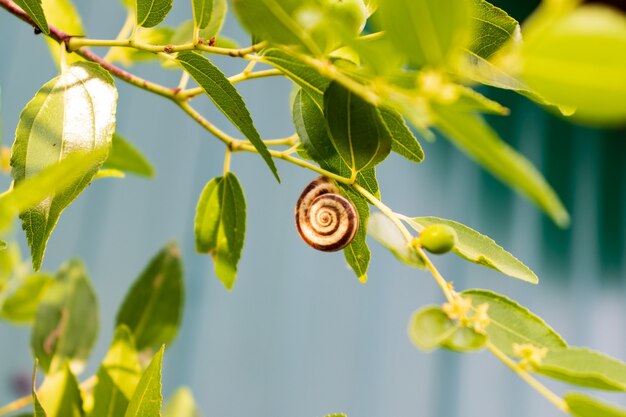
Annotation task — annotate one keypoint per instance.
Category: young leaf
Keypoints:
(403, 141)
(71, 113)
(273, 20)
(356, 129)
(493, 28)
(153, 306)
(427, 32)
(226, 98)
(125, 157)
(19, 304)
(511, 323)
(465, 339)
(573, 62)
(53, 179)
(480, 249)
(220, 225)
(181, 404)
(357, 253)
(35, 11)
(584, 367)
(474, 136)
(59, 395)
(387, 234)
(581, 405)
(429, 327)
(306, 77)
(146, 400)
(118, 376)
(152, 12)
(67, 320)
(202, 10)
(63, 15)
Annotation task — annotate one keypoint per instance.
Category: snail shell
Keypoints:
(325, 219)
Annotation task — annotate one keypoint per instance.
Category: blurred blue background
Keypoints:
(299, 335)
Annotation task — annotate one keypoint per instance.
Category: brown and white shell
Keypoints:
(325, 220)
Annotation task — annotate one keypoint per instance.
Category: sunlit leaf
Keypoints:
(19, 305)
(59, 395)
(403, 141)
(147, 399)
(202, 10)
(427, 32)
(181, 404)
(581, 405)
(63, 15)
(492, 29)
(74, 112)
(118, 376)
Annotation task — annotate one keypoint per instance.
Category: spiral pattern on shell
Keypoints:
(325, 220)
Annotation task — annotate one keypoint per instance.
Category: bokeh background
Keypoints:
(299, 335)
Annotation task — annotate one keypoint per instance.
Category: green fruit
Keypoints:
(438, 238)
(350, 14)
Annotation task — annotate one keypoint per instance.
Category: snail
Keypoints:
(325, 220)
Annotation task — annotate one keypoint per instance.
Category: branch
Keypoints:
(62, 37)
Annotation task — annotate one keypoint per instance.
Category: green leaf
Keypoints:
(427, 32)
(274, 20)
(306, 77)
(387, 234)
(356, 129)
(465, 339)
(220, 225)
(573, 62)
(67, 320)
(63, 15)
(118, 376)
(181, 404)
(34, 9)
(584, 367)
(202, 10)
(152, 12)
(19, 305)
(403, 141)
(226, 98)
(146, 400)
(53, 179)
(429, 327)
(336, 415)
(493, 28)
(71, 113)
(357, 253)
(59, 395)
(480, 249)
(581, 405)
(216, 20)
(125, 157)
(10, 259)
(511, 323)
(474, 136)
(152, 36)
(38, 408)
(152, 308)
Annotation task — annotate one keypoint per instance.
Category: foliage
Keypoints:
(361, 70)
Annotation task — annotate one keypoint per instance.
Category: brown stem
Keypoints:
(62, 37)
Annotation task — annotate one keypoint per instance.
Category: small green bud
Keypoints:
(438, 238)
